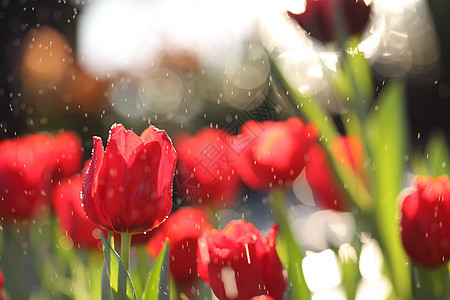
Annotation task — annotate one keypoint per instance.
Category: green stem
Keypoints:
(295, 253)
(125, 243)
(431, 283)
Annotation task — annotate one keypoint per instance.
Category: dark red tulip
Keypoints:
(26, 168)
(71, 216)
(426, 221)
(128, 187)
(327, 19)
(273, 152)
(205, 173)
(328, 191)
(239, 263)
(182, 228)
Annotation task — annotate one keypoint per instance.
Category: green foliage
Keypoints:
(386, 139)
(294, 254)
(120, 285)
(157, 286)
(437, 155)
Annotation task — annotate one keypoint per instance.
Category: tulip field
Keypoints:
(197, 150)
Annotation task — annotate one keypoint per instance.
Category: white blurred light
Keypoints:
(347, 254)
(247, 67)
(229, 282)
(399, 40)
(117, 35)
(321, 270)
(336, 293)
(371, 261)
(161, 91)
(302, 190)
(124, 98)
(373, 290)
(324, 228)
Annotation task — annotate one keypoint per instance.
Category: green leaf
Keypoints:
(357, 68)
(94, 264)
(419, 164)
(141, 270)
(386, 139)
(119, 278)
(106, 286)
(437, 155)
(348, 256)
(295, 255)
(352, 79)
(157, 286)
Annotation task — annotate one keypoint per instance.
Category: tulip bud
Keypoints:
(426, 221)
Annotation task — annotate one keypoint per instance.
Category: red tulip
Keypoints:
(239, 263)
(263, 297)
(68, 148)
(327, 19)
(26, 167)
(426, 221)
(183, 228)
(274, 152)
(71, 216)
(205, 173)
(128, 187)
(328, 191)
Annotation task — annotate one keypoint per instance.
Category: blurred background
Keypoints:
(184, 65)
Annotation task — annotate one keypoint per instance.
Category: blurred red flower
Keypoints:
(72, 219)
(26, 168)
(330, 20)
(239, 263)
(328, 191)
(426, 220)
(205, 173)
(68, 148)
(183, 228)
(128, 187)
(272, 153)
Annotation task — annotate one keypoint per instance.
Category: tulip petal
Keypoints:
(127, 141)
(146, 199)
(111, 186)
(168, 157)
(92, 206)
(274, 280)
(115, 128)
(148, 134)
